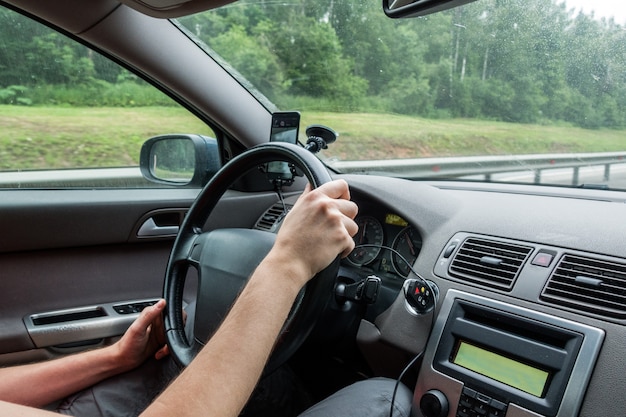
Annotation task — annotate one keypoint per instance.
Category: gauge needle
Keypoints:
(410, 244)
(363, 232)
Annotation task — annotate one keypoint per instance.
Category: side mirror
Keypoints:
(182, 160)
(415, 8)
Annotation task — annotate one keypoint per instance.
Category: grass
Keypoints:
(375, 136)
(63, 137)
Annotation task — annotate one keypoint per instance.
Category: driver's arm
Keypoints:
(43, 383)
(220, 379)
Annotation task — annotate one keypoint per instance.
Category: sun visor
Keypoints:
(173, 8)
(416, 8)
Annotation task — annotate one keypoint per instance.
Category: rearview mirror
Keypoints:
(183, 160)
(415, 8)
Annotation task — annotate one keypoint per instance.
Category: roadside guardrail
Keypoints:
(486, 166)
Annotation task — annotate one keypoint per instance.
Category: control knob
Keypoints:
(434, 404)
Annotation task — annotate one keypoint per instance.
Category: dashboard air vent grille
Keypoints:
(588, 284)
(271, 217)
(489, 262)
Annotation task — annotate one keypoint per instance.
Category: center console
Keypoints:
(493, 359)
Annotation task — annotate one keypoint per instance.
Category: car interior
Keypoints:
(484, 298)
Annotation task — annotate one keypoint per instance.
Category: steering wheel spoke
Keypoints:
(228, 259)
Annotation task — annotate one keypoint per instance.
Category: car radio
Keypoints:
(493, 359)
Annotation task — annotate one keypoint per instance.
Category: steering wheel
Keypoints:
(225, 258)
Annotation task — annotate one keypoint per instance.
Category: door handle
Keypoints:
(149, 228)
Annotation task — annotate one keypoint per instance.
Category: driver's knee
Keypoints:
(369, 398)
(124, 395)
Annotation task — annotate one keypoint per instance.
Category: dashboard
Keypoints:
(530, 278)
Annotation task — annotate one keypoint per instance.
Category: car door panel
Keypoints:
(42, 281)
(43, 219)
(80, 251)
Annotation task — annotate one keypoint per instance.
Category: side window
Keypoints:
(70, 117)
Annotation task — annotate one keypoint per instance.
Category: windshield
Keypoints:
(498, 90)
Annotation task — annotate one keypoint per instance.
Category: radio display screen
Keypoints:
(501, 368)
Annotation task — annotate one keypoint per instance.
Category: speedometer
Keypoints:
(367, 240)
(407, 244)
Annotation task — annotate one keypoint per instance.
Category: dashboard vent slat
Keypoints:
(490, 263)
(271, 217)
(588, 284)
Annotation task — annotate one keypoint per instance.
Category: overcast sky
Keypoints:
(601, 8)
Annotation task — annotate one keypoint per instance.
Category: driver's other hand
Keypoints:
(319, 227)
(144, 338)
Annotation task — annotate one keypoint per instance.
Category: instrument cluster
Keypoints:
(385, 243)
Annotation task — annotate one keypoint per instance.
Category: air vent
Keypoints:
(272, 216)
(488, 262)
(588, 284)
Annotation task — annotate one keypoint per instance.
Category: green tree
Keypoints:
(62, 62)
(313, 60)
(251, 57)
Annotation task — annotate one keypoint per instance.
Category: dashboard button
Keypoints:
(543, 259)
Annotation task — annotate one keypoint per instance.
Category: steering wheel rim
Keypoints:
(184, 254)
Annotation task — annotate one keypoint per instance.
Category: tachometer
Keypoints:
(408, 243)
(370, 233)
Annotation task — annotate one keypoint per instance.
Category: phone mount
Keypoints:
(319, 137)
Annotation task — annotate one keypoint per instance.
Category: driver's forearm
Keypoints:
(42, 383)
(220, 379)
